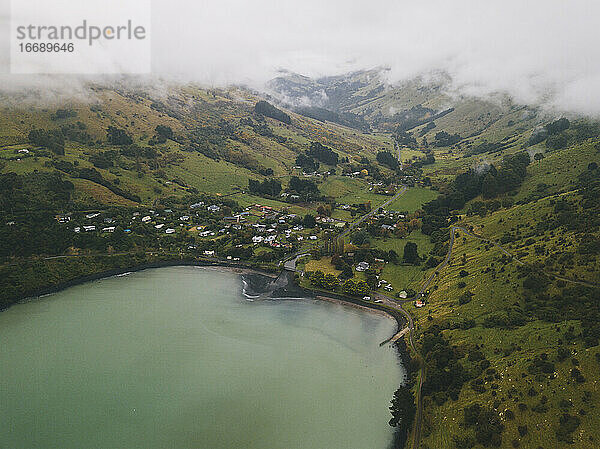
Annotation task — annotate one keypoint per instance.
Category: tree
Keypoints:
(386, 158)
(557, 142)
(360, 238)
(372, 279)
(309, 221)
(557, 126)
(117, 136)
(489, 186)
(323, 153)
(307, 163)
(355, 288)
(410, 254)
(403, 414)
(53, 140)
(304, 187)
(164, 131)
(268, 110)
(270, 187)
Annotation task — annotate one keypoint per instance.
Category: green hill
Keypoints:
(509, 330)
(218, 141)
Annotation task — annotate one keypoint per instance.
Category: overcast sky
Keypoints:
(535, 50)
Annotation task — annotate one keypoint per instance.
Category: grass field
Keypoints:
(350, 191)
(323, 264)
(413, 199)
(404, 276)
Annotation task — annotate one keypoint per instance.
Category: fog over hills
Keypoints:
(519, 49)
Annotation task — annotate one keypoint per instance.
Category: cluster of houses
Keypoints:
(268, 226)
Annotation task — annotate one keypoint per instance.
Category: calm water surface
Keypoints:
(177, 358)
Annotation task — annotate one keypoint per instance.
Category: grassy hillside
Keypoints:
(540, 361)
(218, 143)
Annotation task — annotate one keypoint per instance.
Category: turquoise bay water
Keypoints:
(177, 358)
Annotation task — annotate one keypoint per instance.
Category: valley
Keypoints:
(476, 219)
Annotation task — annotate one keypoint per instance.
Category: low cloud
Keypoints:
(538, 51)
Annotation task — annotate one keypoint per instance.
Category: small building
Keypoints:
(108, 229)
(89, 228)
(362, 266)
(170, 231)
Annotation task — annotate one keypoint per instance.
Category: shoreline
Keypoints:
(233, 267)
(225, 266)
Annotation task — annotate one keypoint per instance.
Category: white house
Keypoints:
(257, 239)
(89, 228)
(362, 266)
(170, 231)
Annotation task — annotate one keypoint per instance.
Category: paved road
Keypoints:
(290, 263)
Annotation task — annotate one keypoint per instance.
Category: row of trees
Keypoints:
(268, 187)
(322, 153)
(305, 188)
(331, 282)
